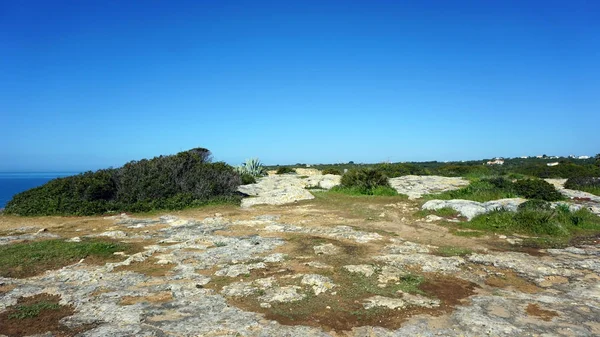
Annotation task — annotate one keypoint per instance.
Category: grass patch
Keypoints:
(553, 226)
(38, 315)
(358, 191)
(453, 251)
(32, 310)
(589, 189)
(32, 258)
(357, 285)
(480, 191)
(446, 212)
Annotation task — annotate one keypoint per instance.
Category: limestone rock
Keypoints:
(417, 186)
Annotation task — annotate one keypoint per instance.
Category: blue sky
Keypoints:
(92, 84)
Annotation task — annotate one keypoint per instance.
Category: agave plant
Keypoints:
(252, 166)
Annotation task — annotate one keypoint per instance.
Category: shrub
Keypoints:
(285, 170)
(454, 170)
(586, 184)
(400, 169)
(535, 205)
(247, 179)
(166, 182)
(537, 189)
(366, 181)
(500, 182)
(332, 171)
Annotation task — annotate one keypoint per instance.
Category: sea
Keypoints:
(12, 183)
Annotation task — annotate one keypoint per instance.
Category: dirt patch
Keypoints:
(342, 308)
(160, 297)
(147, 267)
(450, 290)
(503, 278)
(585, 240)
(545, 315)
(301, 247)
(4, 288)
(37, 315)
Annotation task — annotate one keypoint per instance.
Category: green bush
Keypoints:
(535, 205)
(285, 170)
(166, 182)
(366, 181)
(500, 182)
(455, 170)
(586, 184)
(332, 171)
(537, 189)
(400, 169)
(247, 179)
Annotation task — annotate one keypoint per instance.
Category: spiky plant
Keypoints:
(252, 166)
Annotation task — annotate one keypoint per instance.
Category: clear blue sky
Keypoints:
(92, 84)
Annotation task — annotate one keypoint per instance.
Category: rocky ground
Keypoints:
(327, 266)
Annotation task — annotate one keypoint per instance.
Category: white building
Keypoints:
(552, 164)
(583, 157)
(496, 161)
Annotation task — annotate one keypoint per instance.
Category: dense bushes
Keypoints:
(332, 171)
(563, 170)
(538, 218)
(537, 189)
(365, 181)
(586, 184)
(285, 170)
(499, 187)
(165, 182)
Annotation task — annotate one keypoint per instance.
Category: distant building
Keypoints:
(583, 157)
(524, 157)
(539, 157)
(552, 164)
(496, 161)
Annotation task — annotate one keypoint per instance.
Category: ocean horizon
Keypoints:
(12, 183)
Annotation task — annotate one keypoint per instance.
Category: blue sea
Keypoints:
(12, 183)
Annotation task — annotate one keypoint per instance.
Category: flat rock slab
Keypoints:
(417, 186)
(471, 209)
(285, 189)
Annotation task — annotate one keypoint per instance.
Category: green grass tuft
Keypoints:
(32, 310)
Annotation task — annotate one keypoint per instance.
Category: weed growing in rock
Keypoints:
(32, 310)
